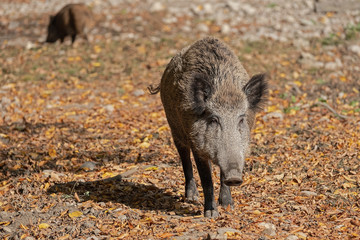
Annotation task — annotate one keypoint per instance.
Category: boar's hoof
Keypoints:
(233, 181)
(191, 192)
(225, 201)
(211, 213)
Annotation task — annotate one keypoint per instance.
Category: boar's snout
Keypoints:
(233, 181)
(50, 39)
(233, 178)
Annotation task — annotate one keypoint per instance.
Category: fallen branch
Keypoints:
(332, 110)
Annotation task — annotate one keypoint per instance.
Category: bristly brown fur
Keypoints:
(210, 103)
(154, 90)
(72, 20)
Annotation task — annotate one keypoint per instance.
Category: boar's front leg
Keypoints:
(191, 192)
(225, 198)
(204, 169)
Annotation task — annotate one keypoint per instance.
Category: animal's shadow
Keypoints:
(118, 190)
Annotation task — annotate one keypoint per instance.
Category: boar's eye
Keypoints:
(213, 120)
(241, 119)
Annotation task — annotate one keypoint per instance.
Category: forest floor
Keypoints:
(86, 152)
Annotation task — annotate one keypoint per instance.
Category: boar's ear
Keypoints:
(201, 92)
(256, 90)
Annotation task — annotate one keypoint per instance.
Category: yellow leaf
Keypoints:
(23, 227)
(4, 223)
(16, 167)
(96, 64)
(23, 236)
(163, 128)
(75, 214)
(108, 175)
(298, 83)
(148, 137)
(151, 168)
(257, 212)
(230, 234)
(70, 113)
(144, 145)
(43, 225)
(97, 48)
(3, 135)
(79, 86)
(292, 111)
(141, 49)
(272, 108)
(8, 86)
(50, 132)
(337, 191)
(343, 79)
(135, 130)
(52, 153)
(329, 14)
(285, 63)
(154, 115)
(46, 186)
(46, 93)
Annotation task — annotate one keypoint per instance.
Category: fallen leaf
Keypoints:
(75, 214)
(43, 225)
(52, 153)
(95, 64)
(151, 168)
(165, 235)
(144, 145)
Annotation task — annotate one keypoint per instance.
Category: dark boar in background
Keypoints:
(71, 20)
(210, 104)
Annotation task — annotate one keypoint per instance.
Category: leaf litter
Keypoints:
(82, 155)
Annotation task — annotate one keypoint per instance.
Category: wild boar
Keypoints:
(210, 104)
(71, 20)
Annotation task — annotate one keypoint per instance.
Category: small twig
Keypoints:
(332, 110)
(73, 188)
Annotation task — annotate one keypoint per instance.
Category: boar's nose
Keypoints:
(233, 177)
(234, 181)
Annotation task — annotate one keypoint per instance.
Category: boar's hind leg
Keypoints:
(191, 192)
(73, 37)
(225, 194)
(204, 169)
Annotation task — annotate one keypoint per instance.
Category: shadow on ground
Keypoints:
(116, 189)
